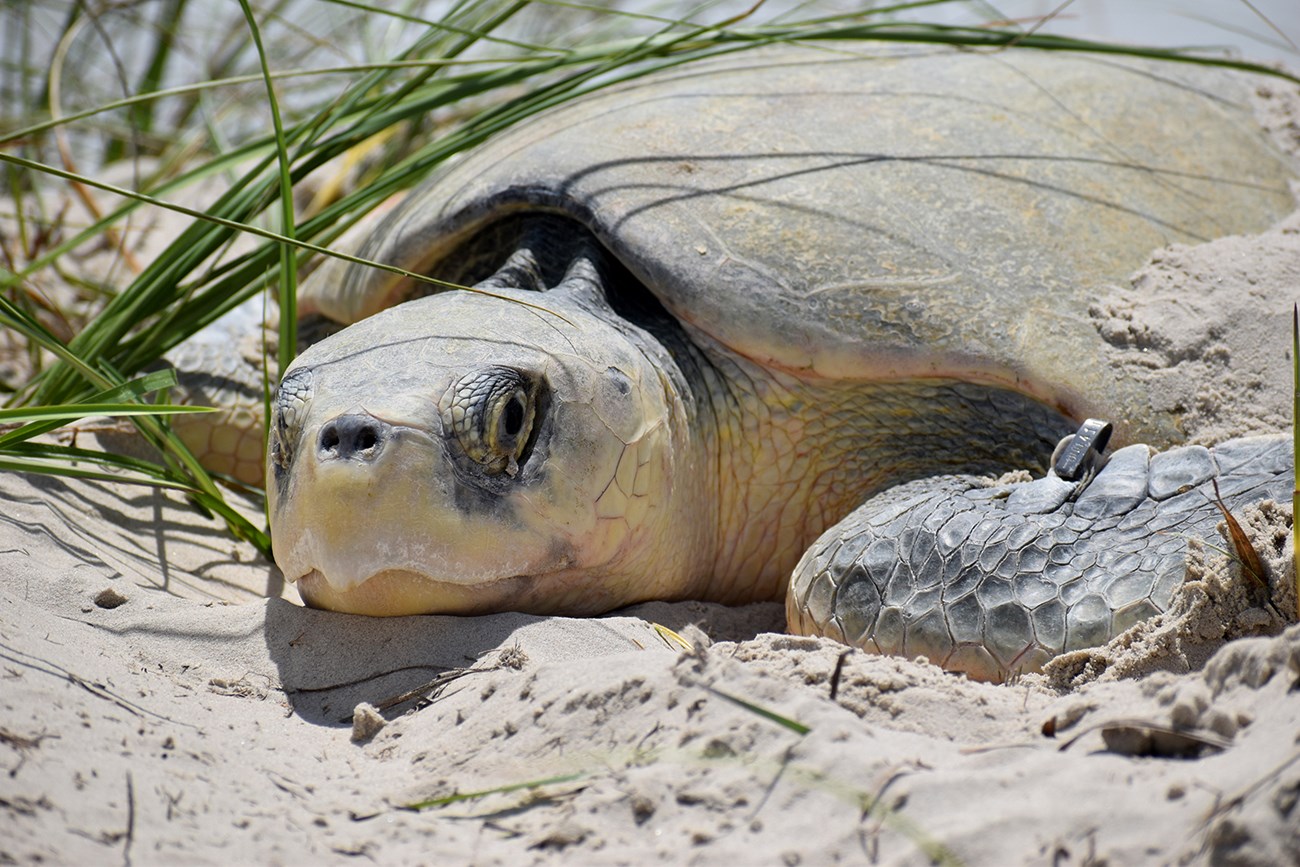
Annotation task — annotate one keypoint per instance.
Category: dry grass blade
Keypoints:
(672, 639)
(1251, 564)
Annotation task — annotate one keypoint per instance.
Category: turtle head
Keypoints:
(464, 453)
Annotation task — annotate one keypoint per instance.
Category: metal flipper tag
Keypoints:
(1082, 449)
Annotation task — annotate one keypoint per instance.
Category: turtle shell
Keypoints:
(853, 213)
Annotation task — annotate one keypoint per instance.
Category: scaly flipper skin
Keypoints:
(997, 579)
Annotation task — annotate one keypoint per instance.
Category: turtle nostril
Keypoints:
(356, 435)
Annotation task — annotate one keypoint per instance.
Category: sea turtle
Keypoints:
(744, 303)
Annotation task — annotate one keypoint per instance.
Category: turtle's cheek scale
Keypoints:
(994, 580)
(288, 408)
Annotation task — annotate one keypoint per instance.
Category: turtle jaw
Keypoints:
(390, 593)
(402, 592)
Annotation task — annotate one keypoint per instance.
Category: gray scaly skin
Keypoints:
(998, 579)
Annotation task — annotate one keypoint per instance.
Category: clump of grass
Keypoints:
(449, 85)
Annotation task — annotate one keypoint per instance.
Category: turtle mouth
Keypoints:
(402, 592)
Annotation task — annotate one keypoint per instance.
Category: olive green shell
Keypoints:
(853, 213)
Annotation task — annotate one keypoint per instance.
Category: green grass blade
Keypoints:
(288, 269)
(240, 526)
(71, 454)
(128, 391)
(18, 320)
(769, 715)
(432, 803)
(90, 410)
(59, 466)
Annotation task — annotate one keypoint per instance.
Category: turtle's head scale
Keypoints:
(465, 452)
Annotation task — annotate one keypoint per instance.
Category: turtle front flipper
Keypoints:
(993, 580)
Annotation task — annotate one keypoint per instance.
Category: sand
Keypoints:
(150, 717)
(163, 698)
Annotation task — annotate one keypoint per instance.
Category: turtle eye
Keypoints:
(491, 412)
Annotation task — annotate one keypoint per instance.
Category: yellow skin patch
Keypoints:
(796, 453)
